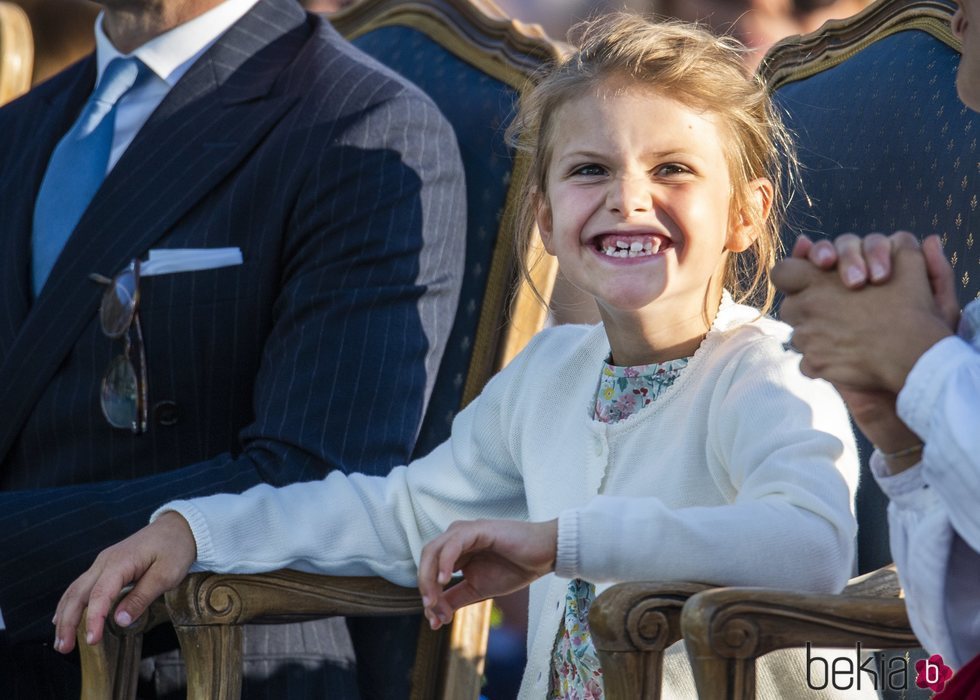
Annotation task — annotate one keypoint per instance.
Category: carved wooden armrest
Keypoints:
(208, 610)
(110, 668)
(880, 583)
(727, 629)
(632, 624)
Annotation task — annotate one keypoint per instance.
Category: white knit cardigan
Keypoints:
(741, 473)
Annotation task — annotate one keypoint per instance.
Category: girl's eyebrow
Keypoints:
(595, 155)
(655, 155)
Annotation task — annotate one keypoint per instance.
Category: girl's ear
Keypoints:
(745, 224)
(544, 219)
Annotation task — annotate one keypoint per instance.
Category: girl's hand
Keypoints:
(865, 339)
(858, 260)
(496, 557)
(870, 259)
(156, 559)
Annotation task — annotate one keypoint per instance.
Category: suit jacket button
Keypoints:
(165, 412)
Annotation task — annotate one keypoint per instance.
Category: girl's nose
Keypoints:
(629, 195)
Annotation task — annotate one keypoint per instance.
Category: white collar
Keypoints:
(172, 53)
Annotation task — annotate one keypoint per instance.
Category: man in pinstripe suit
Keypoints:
(256, 128)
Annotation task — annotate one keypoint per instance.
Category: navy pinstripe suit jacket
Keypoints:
(342, 186)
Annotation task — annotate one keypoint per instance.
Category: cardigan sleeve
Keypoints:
(355, 524)
(783, 445)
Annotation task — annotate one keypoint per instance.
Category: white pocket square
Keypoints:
(169, 260)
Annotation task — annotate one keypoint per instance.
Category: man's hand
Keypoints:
(867, 338)
(156, 559)
(496, 557)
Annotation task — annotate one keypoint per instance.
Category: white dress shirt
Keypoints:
(934, 514)
(168, 56)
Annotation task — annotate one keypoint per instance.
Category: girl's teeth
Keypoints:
(631, 253)
(634, 249)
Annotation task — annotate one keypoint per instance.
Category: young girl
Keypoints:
(676, 440)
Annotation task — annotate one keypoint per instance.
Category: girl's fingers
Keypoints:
(432, 578)
(877, 250)
(428, 587)
(450, 553)
(823, 255)
(904, 239)
(941, 280)
(150, 586)
(69, 613)
(461, 595)
(104, 592)
(850, 260)
(802, 247)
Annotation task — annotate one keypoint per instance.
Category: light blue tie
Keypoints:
(77, 168)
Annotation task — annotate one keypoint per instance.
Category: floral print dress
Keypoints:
(575, 670)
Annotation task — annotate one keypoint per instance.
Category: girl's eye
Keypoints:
(590, 170)
(671, 169)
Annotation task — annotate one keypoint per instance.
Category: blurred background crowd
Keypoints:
(63, 28)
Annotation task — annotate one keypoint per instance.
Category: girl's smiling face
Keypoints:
(638, 204)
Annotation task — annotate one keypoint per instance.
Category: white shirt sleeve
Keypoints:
(934, 516)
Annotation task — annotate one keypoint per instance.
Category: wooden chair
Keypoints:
(473, 61)
(16, 52)
(885, 145)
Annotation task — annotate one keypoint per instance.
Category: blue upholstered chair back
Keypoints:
(885, 145)
(478, 95)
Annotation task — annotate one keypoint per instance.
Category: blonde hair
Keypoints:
(702, 72)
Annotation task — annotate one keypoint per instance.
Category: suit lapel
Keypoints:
(50, 119)
(211, 120)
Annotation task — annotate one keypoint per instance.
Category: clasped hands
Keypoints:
(863, 312)
(495, 556)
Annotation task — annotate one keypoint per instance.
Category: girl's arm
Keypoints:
(343, 525)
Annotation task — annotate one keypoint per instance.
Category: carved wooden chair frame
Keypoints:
(208, 609)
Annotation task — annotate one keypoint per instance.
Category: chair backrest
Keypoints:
(472, 61)
(885, 145)
(16, 52)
